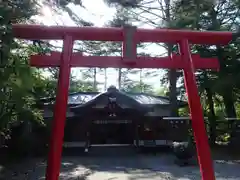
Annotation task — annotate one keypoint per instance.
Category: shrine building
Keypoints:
(119, 118)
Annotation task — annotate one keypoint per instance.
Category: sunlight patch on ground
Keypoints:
(135, 167)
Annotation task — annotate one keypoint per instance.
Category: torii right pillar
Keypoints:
(198, 126)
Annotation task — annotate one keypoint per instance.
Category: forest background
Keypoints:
(21, 86)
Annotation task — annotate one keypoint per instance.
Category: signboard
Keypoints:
(112, 121)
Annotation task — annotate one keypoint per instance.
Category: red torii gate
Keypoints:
(130, 36)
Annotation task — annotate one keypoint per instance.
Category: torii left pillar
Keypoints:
(54, 157)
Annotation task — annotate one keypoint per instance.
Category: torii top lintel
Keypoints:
(34, 32)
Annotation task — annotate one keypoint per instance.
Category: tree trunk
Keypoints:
(227, 95)
(140, 81)
(211, 116)
(172, 73)
(119, 78)
(95, 79)
(229, 104)
(227, 91)
(173, 92)
(105, 79)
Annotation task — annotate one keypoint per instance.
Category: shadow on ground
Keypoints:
(120, 164)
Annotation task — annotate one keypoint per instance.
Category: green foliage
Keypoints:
(66, 2)
(237, 106)
(218, 90)
(16, 85)
(124, 3)
(163, 91)
(224, 82)
(184, 112)
(82, 86)
(21, 86)
(138, 87)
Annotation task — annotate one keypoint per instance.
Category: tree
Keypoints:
(155, 14)
(161, 91)
(89, 75)
(212, 17)
(124, 17)
(20, 85)
(206, 15)
(137, 87)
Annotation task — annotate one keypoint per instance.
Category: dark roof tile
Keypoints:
(143, 98)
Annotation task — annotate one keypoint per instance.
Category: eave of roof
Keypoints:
(148, 97)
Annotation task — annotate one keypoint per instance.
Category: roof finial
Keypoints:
(112, 88)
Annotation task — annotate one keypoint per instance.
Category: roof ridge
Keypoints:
(146, 98)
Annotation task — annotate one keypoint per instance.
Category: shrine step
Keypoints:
(101, 150)
(111, 150)
(149, 143)
(111, 145)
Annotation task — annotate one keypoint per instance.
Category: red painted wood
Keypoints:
(198, 125)
(186, 61)
(56, 141)
(116, 34)
(129, 45)
(117, 62)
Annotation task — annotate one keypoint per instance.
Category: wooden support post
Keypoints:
(56, 142)
(129, 49)
(199, 131)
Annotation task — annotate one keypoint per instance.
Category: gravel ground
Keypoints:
(112, 165)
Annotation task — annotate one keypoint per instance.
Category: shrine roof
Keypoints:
(80, 98)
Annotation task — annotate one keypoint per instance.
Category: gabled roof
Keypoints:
(80, 98)
(122, 99)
